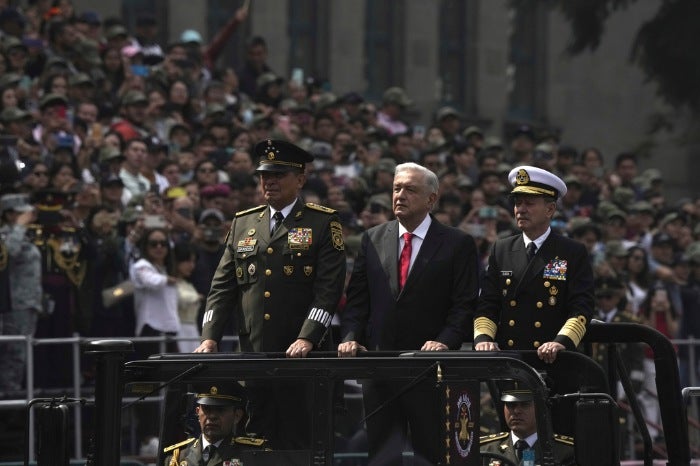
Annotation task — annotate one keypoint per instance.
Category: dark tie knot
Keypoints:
(278, 216)
(531, 250)
(208, 452)
(520, 447)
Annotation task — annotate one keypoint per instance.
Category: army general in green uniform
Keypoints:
(281, 277)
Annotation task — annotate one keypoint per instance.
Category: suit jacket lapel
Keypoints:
(518, 257)
(389, 255)
(431, 243)
(537, 265)
(284, 228)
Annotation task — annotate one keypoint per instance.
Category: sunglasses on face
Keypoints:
(153, 243)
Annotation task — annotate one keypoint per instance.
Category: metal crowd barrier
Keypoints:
(78, 391)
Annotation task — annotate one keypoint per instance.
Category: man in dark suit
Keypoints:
(281, 277)
(414, 287)
(538, 290)
(519, 414)
(220, 411)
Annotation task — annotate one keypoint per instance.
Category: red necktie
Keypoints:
(405, 259)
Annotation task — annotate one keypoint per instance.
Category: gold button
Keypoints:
(513, 303)
(268, 272)
(536, 344)
(507, 281)
(511, 323)
(298, 254)
(539, 304)
(511, 342)
(267, 294)
(244, 255)
(266, 316)
(546, 284)
(538, 324)
(269, 250)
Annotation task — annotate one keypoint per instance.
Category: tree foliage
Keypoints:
(664, 47)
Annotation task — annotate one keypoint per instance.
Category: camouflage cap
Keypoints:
(398, 96)
(134, 98)
(615, 249)
(12, 114)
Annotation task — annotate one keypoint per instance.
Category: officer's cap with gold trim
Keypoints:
(280, 156)
(512, 392)
(535, 181)
(221, 394)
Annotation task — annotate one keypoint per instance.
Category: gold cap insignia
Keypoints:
(270, 156)
(213, 391)
(522, 177)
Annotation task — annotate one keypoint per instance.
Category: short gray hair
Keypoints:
(431, 179)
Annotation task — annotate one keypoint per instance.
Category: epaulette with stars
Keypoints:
(320, 208)
(178, 445)
(250, 211)
(564, 439)
(493, 437)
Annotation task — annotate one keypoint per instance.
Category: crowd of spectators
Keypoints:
(136, 155)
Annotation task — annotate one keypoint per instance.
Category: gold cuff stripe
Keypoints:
(280, 162)
(574, 328)
(484, 326)
(533, 190)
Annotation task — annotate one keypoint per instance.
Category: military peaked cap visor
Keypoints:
(280, 156)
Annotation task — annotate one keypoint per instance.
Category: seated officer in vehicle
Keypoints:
(220, 410)
(519, 414)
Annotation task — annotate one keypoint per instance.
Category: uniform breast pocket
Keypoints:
(299, 264)
(247, 265)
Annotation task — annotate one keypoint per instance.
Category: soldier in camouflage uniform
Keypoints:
(281, 277)
(23, 265)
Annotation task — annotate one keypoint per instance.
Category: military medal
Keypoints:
(299, 238)
(251, 269)
(556, 269)
(239, 272)
(553, 291)
(251, 232)
(308, 270)
(288, 269)
(247, 245)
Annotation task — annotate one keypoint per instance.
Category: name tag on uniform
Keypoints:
(555, 269)
(246, 245)
(506, 273)
(299, 238)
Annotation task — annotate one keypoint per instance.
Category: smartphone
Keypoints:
(418, 132)
(154, 221)
(488, 212)
(140, 70)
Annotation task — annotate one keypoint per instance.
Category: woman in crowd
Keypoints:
(637, 278)
(188, 299)
(155, 294)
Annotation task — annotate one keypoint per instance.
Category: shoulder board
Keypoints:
(178, 445)
(320, 208)
(256, 442)
(248, 211)
(493, 437)
(564, 439)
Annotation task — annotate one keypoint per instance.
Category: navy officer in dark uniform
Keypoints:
(281, 277)
(538, 290)
(221, 412)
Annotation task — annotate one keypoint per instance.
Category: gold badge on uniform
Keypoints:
(337, 236)
(246, 245)
(271, 155)
(288, 269)
(552, 301)
(239, 272)
(308, 270)
(183, 463)
(300, 238)
(251, 269)
(251, 232)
